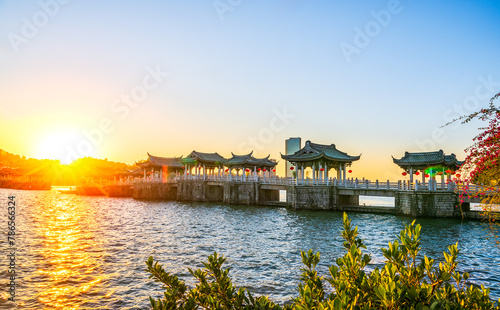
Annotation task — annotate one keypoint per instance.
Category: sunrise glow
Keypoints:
(55, 144)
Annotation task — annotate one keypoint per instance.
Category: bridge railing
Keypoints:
(352, 183)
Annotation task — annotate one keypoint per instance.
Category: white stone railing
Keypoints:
(401, 185)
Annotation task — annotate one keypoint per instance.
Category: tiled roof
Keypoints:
(126, 172)
(314, 151)
(157, 161)
(424, 159)
(210, 158)
(249, 161)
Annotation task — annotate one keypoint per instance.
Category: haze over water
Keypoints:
(88, 252)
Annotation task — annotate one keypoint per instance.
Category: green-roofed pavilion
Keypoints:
(431, 163)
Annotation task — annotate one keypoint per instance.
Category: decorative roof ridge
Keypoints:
(246, 155)
(322, 145)
(423, 153)
(197, 152)
(164, 156)
(335, 148)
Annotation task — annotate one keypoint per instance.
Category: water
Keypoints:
(77, 252)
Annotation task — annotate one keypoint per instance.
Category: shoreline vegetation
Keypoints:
(407, 281)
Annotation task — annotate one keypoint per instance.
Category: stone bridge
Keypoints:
(421, 203)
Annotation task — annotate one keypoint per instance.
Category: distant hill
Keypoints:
(53, 171)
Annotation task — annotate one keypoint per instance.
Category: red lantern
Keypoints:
(188, 173)
(350, 171)
(440, 173)
(291, 168)
(227, 170)
(448, 171)
(199, 167)
(264, 170)
(426, 175)
(258, 169)
(453, 172)
(247, 170)
(404, 173)
(417, 173)
(183, 167)
(322, 169)
(274, 170)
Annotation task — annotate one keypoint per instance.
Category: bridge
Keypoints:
(415, 199)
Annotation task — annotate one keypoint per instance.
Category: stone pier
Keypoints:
(242, 193)
(427, 204)
(312, 197)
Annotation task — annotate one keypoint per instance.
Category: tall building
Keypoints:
(292, 145)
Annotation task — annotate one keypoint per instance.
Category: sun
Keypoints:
(54, 145)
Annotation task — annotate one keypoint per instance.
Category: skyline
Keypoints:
(116, 80)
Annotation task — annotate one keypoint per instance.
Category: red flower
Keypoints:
(458, 175)
(448, 171)
(404, 173)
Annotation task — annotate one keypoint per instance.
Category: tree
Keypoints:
(482, 164)
(407, 281)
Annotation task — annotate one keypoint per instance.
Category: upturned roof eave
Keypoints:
(319, 156)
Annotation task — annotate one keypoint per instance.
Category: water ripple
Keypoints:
(80, 252)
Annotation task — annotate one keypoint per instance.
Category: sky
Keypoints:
(118, 79)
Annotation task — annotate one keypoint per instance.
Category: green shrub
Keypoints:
(407, 281)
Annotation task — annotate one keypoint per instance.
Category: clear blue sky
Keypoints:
(373, 77)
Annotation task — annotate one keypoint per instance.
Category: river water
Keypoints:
(77, 252)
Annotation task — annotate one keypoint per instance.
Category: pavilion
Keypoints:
(320, 158)
(206, 161)
(161, 167)
(255, 167)
(429, 163)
